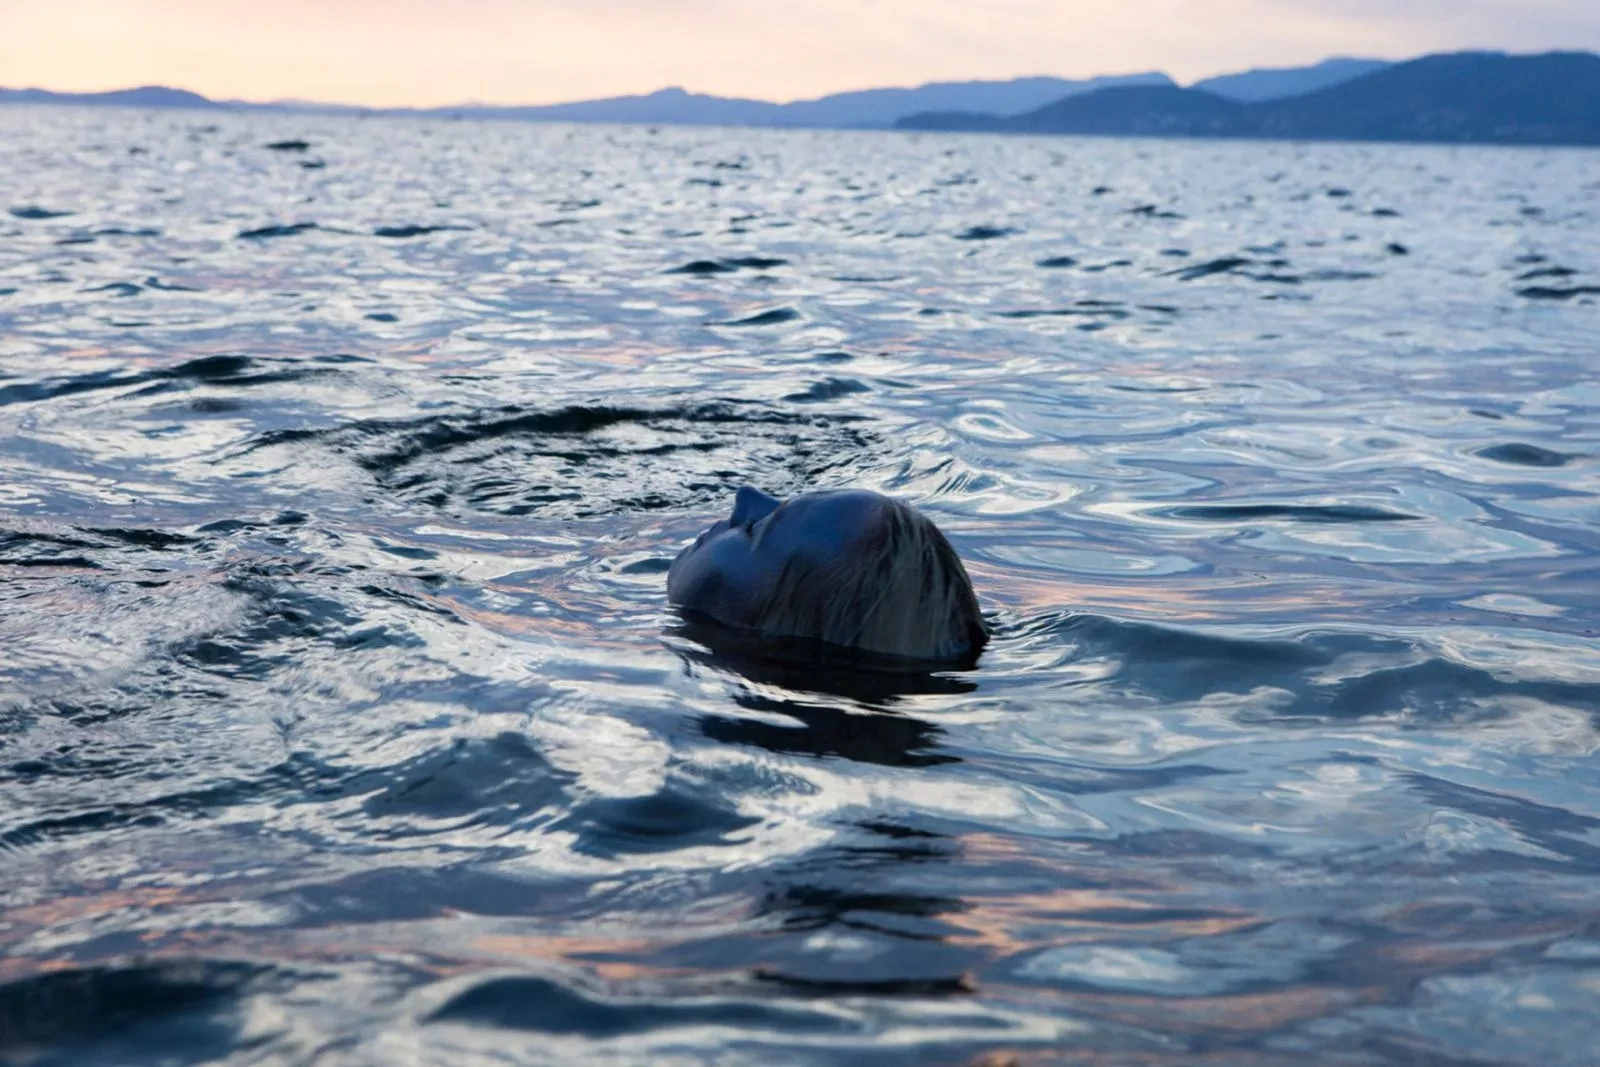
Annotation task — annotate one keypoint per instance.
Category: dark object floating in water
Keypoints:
(1385, 213)
(1550, 292)
(828, 389)
(1056, 262)
(411, 231)
(848, 569)
(1151, 211)
(312, 164)
(984, 233)
(382, 316)
(277, 231)
(728, 266)
(34, 211)
(1338, 193)
(288, 146)
(765, 318)
(1395, 248)
(1320, 513)
(1525, 455)
(1100, 190)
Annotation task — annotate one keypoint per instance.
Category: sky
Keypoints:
(393, 53)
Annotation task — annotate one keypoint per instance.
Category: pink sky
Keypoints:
(416, 52)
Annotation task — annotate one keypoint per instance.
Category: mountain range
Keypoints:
(1476, 97)
(861, 109)
(1468, 96)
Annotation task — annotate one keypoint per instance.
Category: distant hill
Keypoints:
(670, 106)
(1275, 83)
(1140, 110)
(1470, 96)
(865, 109)
(1486, 97)
(144, 96)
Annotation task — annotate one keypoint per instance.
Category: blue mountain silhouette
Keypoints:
(1486, 97)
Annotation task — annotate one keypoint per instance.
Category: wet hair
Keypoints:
(900, 591)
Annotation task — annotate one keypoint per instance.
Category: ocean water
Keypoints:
(343, 719)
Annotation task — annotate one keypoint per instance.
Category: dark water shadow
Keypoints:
(679, 815)
(1314, 676)
(1521, 454)
(1313, 513)
(219, 370)
(886, 739)
(188, 1008)
(498, 781)
(535, 1002)
(569, 461)
(844, 703)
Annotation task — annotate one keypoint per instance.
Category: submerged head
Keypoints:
(849, 568)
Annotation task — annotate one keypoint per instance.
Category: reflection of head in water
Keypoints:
(848, 568)
(838, 702)
(805, 666)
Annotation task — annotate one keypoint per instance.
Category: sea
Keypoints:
(343, 719)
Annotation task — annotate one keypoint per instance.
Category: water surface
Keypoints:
(343, 721)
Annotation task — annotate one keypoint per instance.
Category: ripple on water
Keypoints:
(343, 714)
(1520, 454)
(515, 461)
